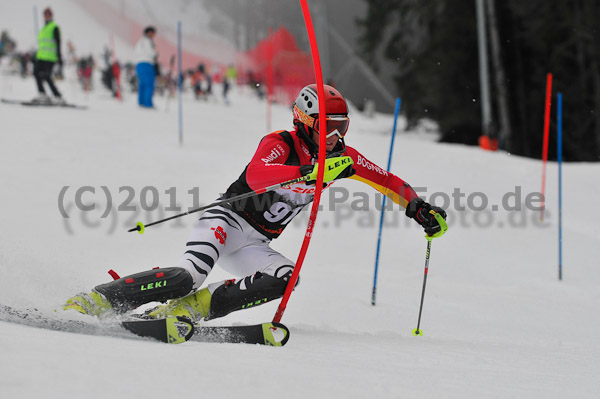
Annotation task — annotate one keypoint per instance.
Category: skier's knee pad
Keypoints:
(285, 273)
(160, 285)
(248, 292)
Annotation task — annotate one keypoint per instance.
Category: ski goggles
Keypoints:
(336, 124)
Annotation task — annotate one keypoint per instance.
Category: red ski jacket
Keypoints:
(277, 159)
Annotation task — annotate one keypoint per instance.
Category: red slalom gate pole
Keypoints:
(545, 145)
(115, 67)
(321, 159)
(269, 79)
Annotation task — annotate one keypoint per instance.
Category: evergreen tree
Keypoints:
(434, 45)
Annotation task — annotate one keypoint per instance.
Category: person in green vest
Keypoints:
(48, 55)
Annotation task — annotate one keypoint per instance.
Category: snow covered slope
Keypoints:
(77, 26)
(497, 322)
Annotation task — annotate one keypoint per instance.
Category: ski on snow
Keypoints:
(180, 329)
(37, 104)
(170, 329)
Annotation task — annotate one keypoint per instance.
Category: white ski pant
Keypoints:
(221, 236)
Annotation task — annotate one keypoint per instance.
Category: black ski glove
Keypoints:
(419, 210)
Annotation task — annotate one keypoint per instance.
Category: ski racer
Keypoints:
(237, 236)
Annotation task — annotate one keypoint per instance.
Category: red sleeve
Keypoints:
(267, 166)
(385, 182)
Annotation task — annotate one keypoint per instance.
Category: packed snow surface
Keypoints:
(497, 321)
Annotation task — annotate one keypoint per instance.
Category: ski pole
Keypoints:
(140, 227)
(417, 331)
(444, 228)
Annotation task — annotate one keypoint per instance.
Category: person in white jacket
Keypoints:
(145, 57)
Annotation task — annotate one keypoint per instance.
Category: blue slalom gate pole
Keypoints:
(179, 83)
(389, 165)
(559, 158)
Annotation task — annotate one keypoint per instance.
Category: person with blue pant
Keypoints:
(146, 57)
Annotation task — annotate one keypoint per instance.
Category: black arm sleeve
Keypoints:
(57, 39)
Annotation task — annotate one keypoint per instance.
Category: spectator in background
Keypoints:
(229, 79)
(71, 54)
(131, 77)
(255, 82)
(23, 60)
(209, 81)
(110, 75)
(146, 58)
(48, 54)
(85, 66)
(231, 74)
(200, 76)
(7, 44)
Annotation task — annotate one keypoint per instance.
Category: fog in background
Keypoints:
(245, 23)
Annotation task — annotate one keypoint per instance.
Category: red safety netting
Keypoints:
(291, 67)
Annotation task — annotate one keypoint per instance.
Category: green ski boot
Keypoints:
(93, 304)
(195, 306)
